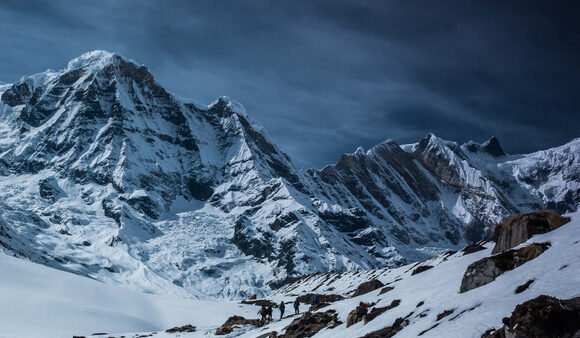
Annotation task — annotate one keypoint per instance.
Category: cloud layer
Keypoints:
(324, 77)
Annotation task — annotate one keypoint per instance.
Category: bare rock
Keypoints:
(185, 328)
(377, 311)
(310, 323)
(328, 298)
(475, 247)
(260, 302)
(388, 331)
(543, 316)
(235, 321)
(421, 268)
(486, 270)
(444, 314)
(367, 287)
(357, 314)
(524, 287)
(386, 289)
(517, 229)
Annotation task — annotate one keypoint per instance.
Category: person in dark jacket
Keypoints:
(270, 313)
(263, 313)
(282, 307)
(315, 299)
(296, 306)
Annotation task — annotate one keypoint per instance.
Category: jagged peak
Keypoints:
(430, 141)
(389, 144)
(232, 105)
(491, 146)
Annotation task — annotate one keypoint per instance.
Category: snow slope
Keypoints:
(57, 304)
(556, 273)
(42, 302)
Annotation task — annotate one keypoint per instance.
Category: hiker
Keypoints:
(263, 313)
(282, 307)
(296, 306)
(314, 299)
(269, 313)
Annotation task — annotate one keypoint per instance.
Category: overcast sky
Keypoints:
(324, 77)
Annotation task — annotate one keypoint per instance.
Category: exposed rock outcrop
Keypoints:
(310, 323)
(184, 328)
(444, 314)
(386, 289)
(389, 331)
(517, 229)
(235, 321)
(524, 287)
(544, 317)
(475, 247)
(486, 270)
(367, 287)
(259, 302)
(376, 311)
(357, 314)
(421, 268)
(328, 298)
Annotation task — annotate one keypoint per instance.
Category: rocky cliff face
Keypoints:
(106, 174)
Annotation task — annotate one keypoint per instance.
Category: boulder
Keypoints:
(523, 287)
(517, 229)
(543, 316)
(310, 323)
(357, 314)
(475, 247)
(388, 331)
(386, 289)
(260, 302)
(421, 268)
(185, 328)
(329, 298)
(235, 321)
(377, 311)
(444, 314)
(367, 287)
(486, 270)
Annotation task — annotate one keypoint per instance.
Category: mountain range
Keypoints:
(106, 174)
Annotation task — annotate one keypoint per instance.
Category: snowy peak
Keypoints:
(94, 59)
(99, 60)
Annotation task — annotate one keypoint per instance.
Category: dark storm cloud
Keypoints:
(324, 77)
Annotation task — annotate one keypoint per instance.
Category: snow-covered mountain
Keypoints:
(106, 174)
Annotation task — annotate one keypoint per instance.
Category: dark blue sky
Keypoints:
(324, 77)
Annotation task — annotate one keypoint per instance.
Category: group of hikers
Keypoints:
(266, 311)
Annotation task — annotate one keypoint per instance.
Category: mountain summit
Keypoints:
(106, 174)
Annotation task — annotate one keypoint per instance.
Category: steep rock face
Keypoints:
(519, 228)
(488, 269)
(106, 174)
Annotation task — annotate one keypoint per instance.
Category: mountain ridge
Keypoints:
(127, 183)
